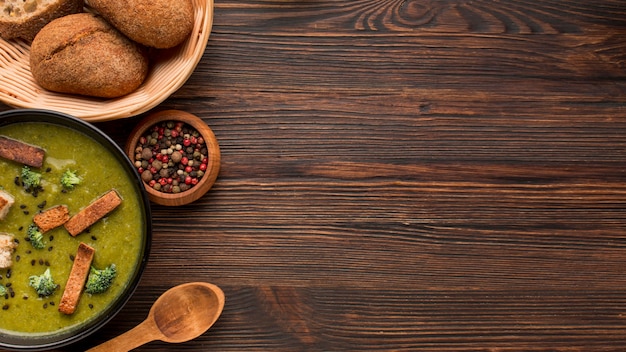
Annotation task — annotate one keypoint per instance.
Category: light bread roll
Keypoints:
(83, 54)
(24, 18)
(155, 23)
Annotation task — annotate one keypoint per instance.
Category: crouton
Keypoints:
(52, 218)
(77, 278)
(6, 201)
(21, 152)
(93, 212)
(7, 246)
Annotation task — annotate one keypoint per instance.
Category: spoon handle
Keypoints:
(137, 336)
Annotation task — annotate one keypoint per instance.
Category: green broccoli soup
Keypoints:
(118, 237)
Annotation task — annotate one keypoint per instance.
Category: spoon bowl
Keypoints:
(181, 314)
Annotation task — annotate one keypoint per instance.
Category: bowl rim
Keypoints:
(48, 341)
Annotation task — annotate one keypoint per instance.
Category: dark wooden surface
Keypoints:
(405, 175)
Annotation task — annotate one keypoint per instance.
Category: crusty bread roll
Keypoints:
(83, 54)
(155, 23)
(24, 18)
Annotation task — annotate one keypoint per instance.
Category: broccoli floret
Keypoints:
(70, 179)
(3, 291)
(35, 237)
(43, 284)
(31, 180)
(100, 280)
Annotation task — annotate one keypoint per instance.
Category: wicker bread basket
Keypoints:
(169, 71)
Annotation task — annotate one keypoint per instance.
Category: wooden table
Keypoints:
(404, 175)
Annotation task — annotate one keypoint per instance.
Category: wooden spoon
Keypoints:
(181, 314)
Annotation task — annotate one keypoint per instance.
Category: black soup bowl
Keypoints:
(121, 239)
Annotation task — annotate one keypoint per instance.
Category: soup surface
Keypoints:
(117, 238)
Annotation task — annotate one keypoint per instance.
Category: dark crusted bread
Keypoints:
(83, 54)
(156, 23)
(24, 18)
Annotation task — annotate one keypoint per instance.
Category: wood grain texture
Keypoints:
(405, 175)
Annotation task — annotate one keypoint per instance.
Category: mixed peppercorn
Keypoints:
(171, 157)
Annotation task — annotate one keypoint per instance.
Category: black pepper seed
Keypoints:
(52, 303)
(40, 261)
(25, 297)
(8, 285)
(33, 262)
(50, 249)
(17, 258)
(23, 206)
(21, 228)
(90, 306)
(5, 307)
(26, 212)
(51, 238)
(47, 263)
(71, 257)
(45, 305)
(48, 169)
(94, 238)
(8, 274)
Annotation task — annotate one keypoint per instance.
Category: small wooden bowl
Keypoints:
(213, 165)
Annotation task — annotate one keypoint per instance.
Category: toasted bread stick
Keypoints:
(77, 278)
(21, 152)
(52, 218)
(93, 212)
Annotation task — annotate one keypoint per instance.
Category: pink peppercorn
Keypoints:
(188, 180)
(202, 167)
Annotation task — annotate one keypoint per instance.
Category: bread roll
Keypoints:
(155, 23)
(83, 54)
(24, 18)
